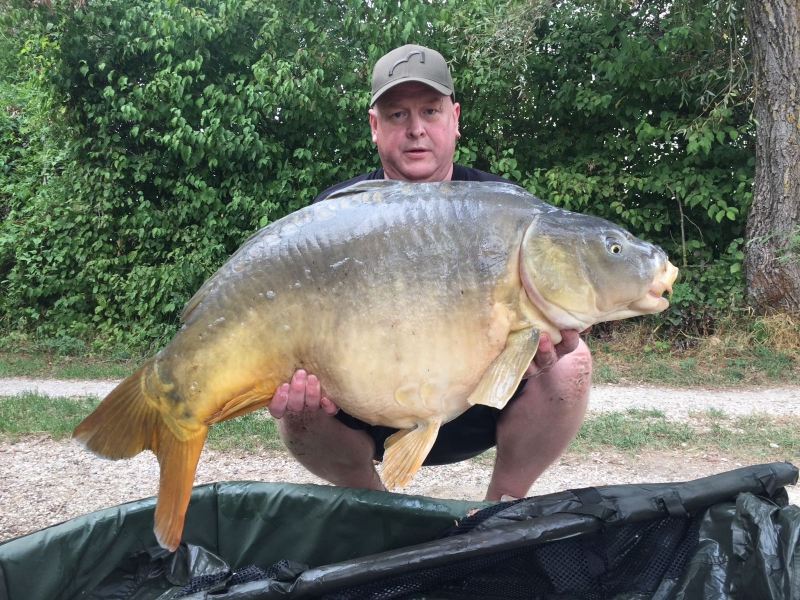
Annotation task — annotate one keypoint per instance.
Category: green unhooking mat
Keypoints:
(732, 535)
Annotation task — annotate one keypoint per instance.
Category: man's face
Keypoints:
(415, 128)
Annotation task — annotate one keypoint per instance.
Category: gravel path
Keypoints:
(677, 404)
(43, 482)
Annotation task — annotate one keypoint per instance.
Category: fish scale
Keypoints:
(410, 302)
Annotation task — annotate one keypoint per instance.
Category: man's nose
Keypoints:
(416, 127)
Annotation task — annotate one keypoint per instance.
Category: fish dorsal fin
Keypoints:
(405, 452)
(502, 377)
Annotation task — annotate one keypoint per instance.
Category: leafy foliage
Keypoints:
(148, 139)
(187, 125)
(609, 114)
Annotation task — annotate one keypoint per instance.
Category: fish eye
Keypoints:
(613, 246)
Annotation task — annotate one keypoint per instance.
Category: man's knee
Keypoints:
(564, 390)
(577, 365)
(572, 375)
(304, 433)
(580, 357)
(299, 427)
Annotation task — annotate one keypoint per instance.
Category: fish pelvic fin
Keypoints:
(502, 377)
(258, 397)
(122, 425)
(406, 451)
(177, 460)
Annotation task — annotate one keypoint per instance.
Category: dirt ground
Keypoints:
(45, 482)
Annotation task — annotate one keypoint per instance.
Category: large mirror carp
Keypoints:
(411, 302)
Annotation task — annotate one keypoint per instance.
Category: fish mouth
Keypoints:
(654, 301)
(664, 282)
(658, 288)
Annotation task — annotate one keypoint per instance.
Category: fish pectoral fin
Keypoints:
(503, 376)
(242, 404)
(177, 460)
(405, 451)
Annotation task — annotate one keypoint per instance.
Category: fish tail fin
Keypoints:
(406, 451)
(127, 422)
(122, 425)
(177, 460)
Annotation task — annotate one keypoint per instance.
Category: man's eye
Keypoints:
(430, 111)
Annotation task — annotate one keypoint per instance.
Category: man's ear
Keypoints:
(373, 124)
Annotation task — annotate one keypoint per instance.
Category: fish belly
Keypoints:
(407, 370)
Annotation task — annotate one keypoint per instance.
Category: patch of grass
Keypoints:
(755, 435)
(32, 413)
(749, 352)
(779, 331)
(92, 370)
(774, 363)
(12, 365)
(674, 373)
(645, 413)
(53, 366)
(759, 433)
(631, 430)
(248, 432)
(68, 357)
(715, 413)
(604, 373)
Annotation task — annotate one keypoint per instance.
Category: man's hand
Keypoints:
(302, 394)
(548, 354)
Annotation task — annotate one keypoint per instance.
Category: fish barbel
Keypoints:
(410, 302)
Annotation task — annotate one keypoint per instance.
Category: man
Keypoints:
(414, 123)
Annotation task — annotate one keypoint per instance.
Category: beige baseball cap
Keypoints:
(411, 63)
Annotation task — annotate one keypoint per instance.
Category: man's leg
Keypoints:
(330, 450)
(535, 429)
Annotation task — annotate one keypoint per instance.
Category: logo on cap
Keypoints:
(407, 58)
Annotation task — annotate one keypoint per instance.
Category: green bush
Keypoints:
(631, 113)
(149, 138)
(186, 126)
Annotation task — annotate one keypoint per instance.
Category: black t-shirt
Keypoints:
(460, 173)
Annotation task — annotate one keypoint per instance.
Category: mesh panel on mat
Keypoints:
(596, 566)
(469, 523)
(203, 583)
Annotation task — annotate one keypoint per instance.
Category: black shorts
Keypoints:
(468, 435)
